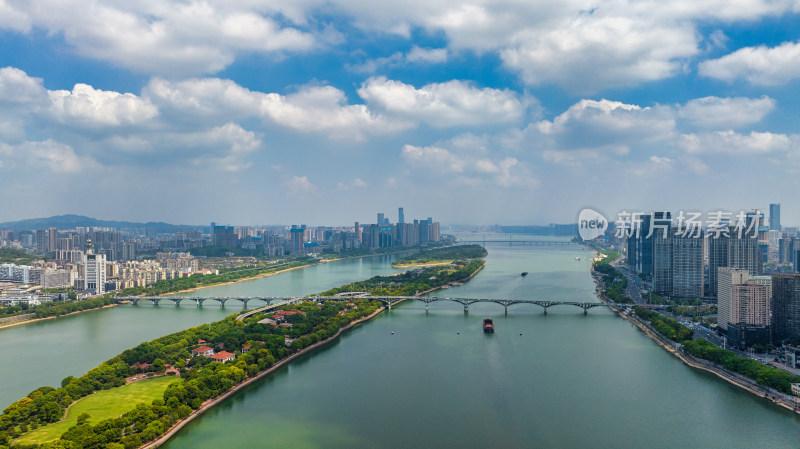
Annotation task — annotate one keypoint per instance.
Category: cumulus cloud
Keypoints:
(759, 65)
(731, 142)
(453, 103)
(726, 113)
(161, 37)
(607, 124)
(300, 185)
(311, 108)
(94, 107)
(505, 172)
(417, 55)
(56, 156)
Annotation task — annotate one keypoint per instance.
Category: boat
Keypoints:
(524, 273)
(488, 325)
(578, 259)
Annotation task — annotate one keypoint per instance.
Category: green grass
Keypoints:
(102, 405)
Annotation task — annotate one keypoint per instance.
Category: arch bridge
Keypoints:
(388, 301)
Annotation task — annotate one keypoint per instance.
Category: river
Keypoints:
(411, 378)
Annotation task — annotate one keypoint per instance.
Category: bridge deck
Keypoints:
(388, 301)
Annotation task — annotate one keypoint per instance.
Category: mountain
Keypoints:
(71, 221)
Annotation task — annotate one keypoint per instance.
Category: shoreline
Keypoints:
(258, 276)
(236, 388)
(34, 320)
(688, 360)
(427, 264)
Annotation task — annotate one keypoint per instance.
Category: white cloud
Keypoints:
(607, 124)
(312, 108)
(587, 54)
(726, 113)
(187, 37)
(505, 172)
(88, 106)
(730, 142)
(300, 185)
(427, 55)
(759, 65)
(453, 103)
(416, 55)
(357, 183)
(19, 88)
(56, 156)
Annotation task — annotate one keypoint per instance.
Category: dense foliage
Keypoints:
(15, 256)
(665, 326)
(198, 280)
(613, 281)
(226, 251)
(201, 379)
(413, 281)
(763, 375)
(460, 252)
(57, 308)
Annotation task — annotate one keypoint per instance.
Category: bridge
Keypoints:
(388, 301)
(520, 242)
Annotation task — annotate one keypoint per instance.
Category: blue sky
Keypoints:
(473, 112)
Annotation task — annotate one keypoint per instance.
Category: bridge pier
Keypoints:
(466, 308)
(545, 310)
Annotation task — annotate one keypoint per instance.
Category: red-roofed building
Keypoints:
(245, 348)
(202, 350)
(223, 356)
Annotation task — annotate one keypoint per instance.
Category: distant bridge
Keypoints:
(388, 301)
(520, 242)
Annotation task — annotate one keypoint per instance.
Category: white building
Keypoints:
(94, 271)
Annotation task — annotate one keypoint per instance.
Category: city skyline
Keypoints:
(270, 113)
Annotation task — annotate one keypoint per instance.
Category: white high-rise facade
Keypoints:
(94, 270)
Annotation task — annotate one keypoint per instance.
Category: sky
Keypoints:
(327, 112)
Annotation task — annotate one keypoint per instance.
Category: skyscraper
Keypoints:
(41, 241)
(744, 307)
(775, 216)
(298, 239)
(52, 239)
(380, 218)
(786, 306)
(662, 252)
(400, 216)
(400, 225)
(687, 264)
(94, 270)
(732, 247)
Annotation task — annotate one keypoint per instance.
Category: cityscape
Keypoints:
(453, 224)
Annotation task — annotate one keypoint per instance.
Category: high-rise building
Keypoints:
(744, 307)
(225, 236)
(732, 247)
(640, 246)
(42, 243)
(786, 306)
(94, 270)
(380, 218)
(687, 264)
(775, 216)
(297, 238)
(357, 230)
(52, 239)
(786, 249)
(400, 226)
(662, 253)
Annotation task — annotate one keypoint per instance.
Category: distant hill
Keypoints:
(71, 221)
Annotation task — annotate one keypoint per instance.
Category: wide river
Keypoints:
(411, 378)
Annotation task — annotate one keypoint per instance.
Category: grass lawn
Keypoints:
(102, 405)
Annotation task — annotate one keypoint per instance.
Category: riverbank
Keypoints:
(34, 320)
(428, 264)
(740, 381)
(262, 275)
(216, 401)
